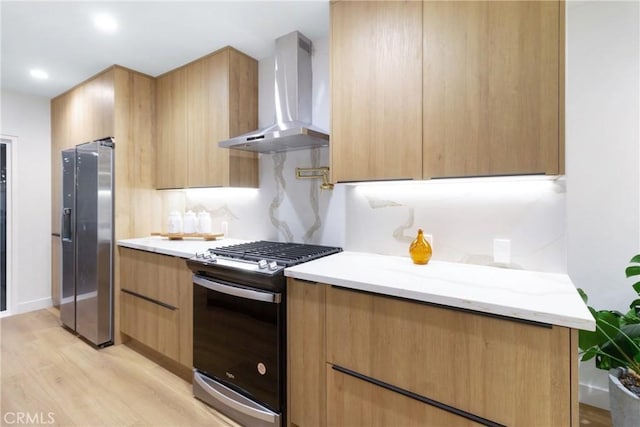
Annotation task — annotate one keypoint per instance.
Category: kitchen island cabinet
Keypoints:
(198, 105)
(157, 308)
(446, 89)
(373, 338)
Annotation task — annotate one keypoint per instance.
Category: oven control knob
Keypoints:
(273, 266)
(199, 255)
(262, 264)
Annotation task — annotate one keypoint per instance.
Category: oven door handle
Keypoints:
(236, 291)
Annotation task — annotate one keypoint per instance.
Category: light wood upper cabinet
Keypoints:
(208, 120)
(171, 134)
(376, 90)
(491, 87)
(446, 88)
(206, 101)
(83, 114)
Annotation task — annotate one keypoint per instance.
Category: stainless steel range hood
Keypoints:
(293, 129)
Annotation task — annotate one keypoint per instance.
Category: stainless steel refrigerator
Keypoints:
(86, 303)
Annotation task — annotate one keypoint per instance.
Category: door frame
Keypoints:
(11, 143)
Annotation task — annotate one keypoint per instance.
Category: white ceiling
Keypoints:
(153, 37)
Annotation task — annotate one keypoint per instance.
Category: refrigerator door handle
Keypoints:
(66, 224)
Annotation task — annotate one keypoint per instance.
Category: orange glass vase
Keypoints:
(420, 249)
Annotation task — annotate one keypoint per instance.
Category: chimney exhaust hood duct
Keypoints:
(293, 129)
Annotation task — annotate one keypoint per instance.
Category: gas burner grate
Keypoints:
(286, 254)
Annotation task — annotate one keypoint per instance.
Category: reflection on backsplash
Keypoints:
(463, 216)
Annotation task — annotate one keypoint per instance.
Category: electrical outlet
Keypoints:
(502, 251)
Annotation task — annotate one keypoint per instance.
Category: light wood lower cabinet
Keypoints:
(156, 303)
(357, 403)
(475, 366)
(306, 353)
(153, 325)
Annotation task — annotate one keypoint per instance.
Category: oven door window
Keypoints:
(236, 341)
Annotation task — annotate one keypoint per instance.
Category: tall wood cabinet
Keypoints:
(363, 359)
(446, 89)
(83, 114)
(199, 104)
(117, 102)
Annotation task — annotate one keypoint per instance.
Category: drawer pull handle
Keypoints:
(418, 397)
(151, 300)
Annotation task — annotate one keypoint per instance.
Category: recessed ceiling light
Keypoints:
(105, 23)
(39, 74)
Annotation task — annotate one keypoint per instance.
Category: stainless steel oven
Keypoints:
(239, 327)
(238, 350)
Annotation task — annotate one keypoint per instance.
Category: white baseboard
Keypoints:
(33, 305)
(594, 396)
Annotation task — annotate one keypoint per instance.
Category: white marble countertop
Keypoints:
(179, 248)
(541, 297)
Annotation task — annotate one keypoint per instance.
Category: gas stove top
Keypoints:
(285, 254)
(255, 262)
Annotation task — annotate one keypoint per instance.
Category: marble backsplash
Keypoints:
(462, 216)
(284, 208)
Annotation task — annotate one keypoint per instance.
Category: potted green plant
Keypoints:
(615, 345)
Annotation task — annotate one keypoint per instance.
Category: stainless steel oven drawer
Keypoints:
(236, 406)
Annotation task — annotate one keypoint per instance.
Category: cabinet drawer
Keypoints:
(151, 275)
(355, 402)
(151, 324)
(461, 359)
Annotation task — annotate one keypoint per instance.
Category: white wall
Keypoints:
(603, 153)
(28, 118)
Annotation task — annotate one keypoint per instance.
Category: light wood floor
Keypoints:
(594, 417)
(45, 369)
